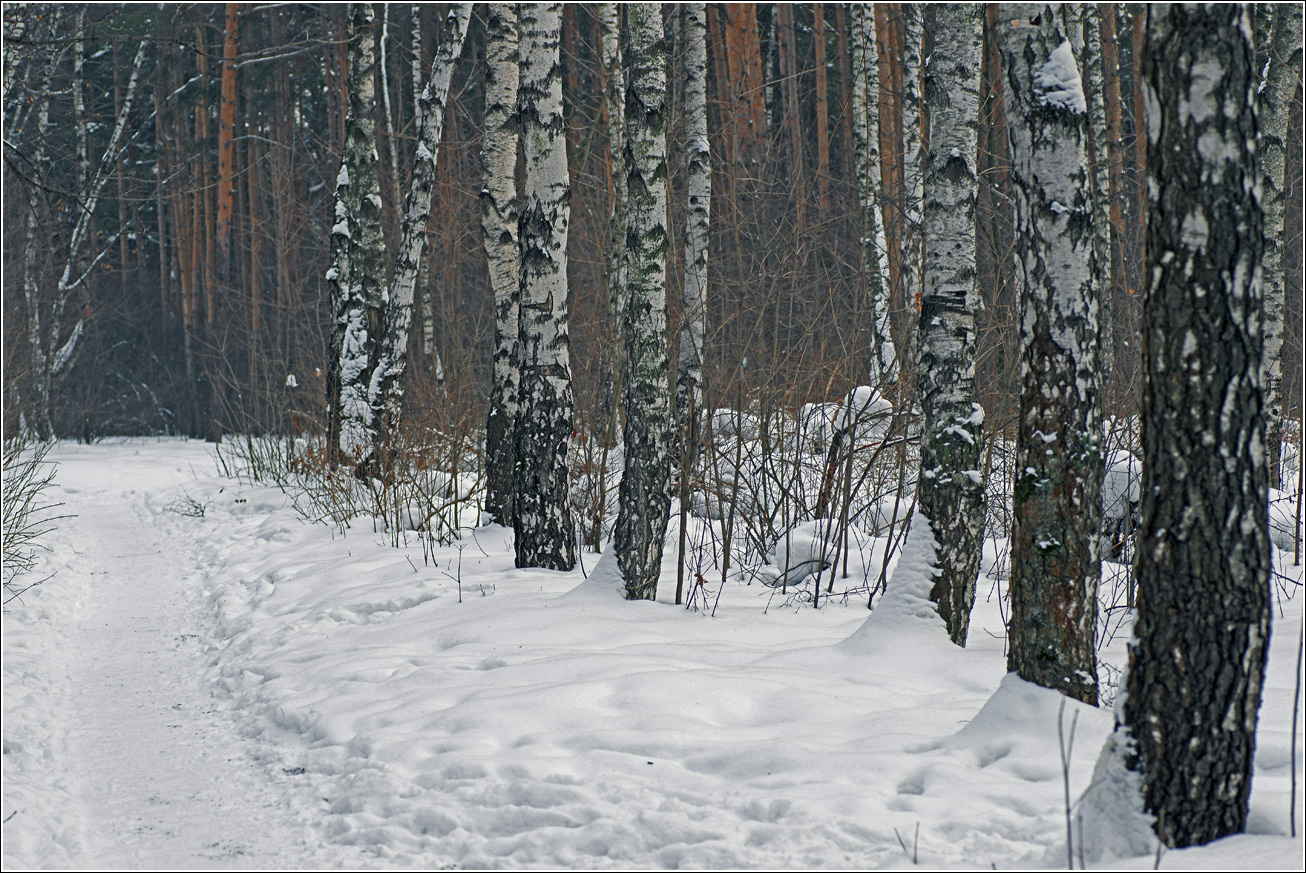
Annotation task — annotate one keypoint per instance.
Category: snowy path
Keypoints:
(156, 773)
(164, 782)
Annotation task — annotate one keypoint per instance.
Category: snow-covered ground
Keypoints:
(207, 681)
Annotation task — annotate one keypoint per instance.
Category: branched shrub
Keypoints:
(433, 488)
(27, 514)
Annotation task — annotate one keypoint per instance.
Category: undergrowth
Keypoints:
(28, 514)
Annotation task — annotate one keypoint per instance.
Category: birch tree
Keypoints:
(1201, 634)
(951, 493)
(866, 161)
(499, 215)
(54, 328)
(356, 277)
(645, 495)
(689, 367)
(386, 387)
(1095, 94)
(542, 517)
(1055, 552)
(614, 110)
(913, 38)
(1282, 70)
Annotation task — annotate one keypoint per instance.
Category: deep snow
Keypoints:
(242, 689)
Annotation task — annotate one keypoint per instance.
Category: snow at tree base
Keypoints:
(209, 681)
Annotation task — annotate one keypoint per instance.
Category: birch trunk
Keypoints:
(54, 357)
(689, 369)
(386, 387)
(357, 273)
(1095, 93)
(951, 494)
(1282, 70)
(866, 158)
(614, 107)
(36, 337)
(1197, 662)
(499, 216)
(645, 495)
(1055, 557)
(913, 36)
(542, 518)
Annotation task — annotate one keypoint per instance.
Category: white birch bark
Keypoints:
(386, 387)
(357, 273)
(57, 341)
(1055, 556)
(614, 103)
(36, 338)
(1095, 92)
(913, 37)
(499, 216)
(689, 367)
(951, 495)
(391, 144)
(867, 164)
(645, 494)
(542, 515)
(1282, 71)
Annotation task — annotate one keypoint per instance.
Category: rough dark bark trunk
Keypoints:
(1055, 554)
(951, 486)
(1202, 629)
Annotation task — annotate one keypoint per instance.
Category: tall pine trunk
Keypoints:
(499, 215)
(951, 484)
(542, 517)
(1055, 553)
(645, 494)
(1197, 662)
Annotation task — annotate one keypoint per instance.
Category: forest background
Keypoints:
(202, 227)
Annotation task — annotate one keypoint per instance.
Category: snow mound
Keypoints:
(905, 608)
(1114, 824)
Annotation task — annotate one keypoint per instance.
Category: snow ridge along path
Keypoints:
(153, 770)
